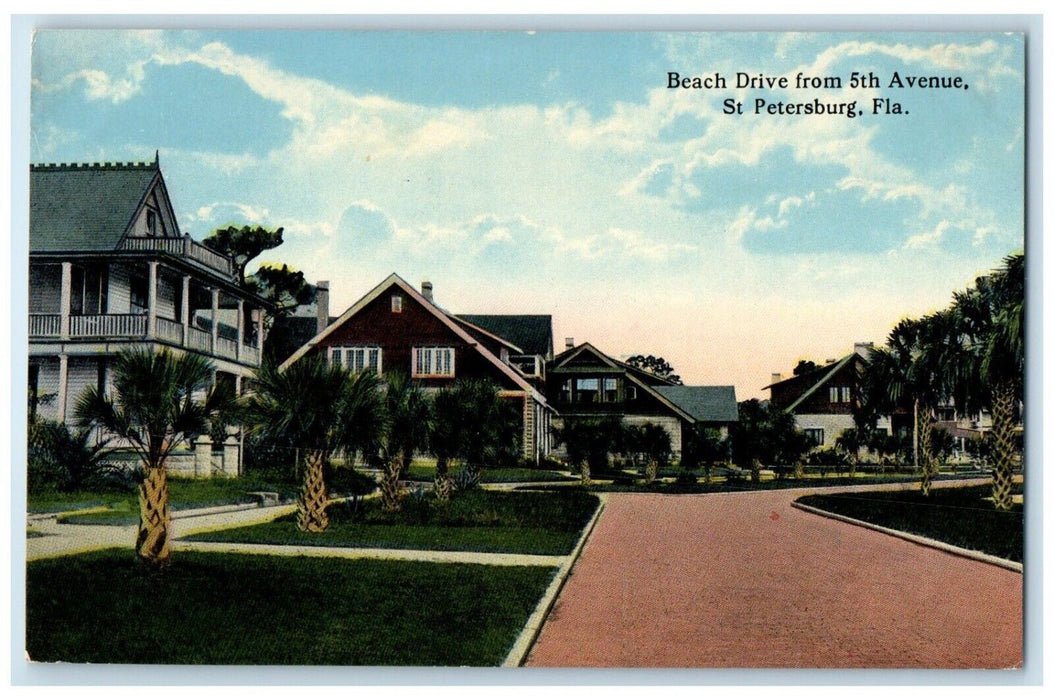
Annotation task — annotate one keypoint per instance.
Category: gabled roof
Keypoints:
(395, 280)
(821, 375)
(533, 333)
(637, 376)
(82, 207)
(481, 333)
(708, 404)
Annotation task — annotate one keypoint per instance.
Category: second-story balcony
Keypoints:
(135, 327)
(184, 247)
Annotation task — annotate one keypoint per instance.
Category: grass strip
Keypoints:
(477, 521)
(253, 609)
(962, 516)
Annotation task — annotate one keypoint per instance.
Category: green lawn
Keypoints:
(252, 609)
(478, 520)
(959, 516)
(182, 494)
(426, 472)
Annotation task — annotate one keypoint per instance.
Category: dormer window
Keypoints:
(397, 304)
(151, 222)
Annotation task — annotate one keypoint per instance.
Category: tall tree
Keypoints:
(318, 408)
(654, 365)
(989, 321)
(158, 401)
(243, 243)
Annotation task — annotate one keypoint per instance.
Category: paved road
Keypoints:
(744, 580)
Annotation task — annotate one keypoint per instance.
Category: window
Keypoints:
(137, 290)
(610, 392)
(814, 435)
(151, 222)
(839, 394)
(587, 390)
(433, 362)
(397, 304)
(357, 359)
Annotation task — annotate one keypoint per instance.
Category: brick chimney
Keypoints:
(863, 349)
(776, 377)
(322, 305)
(569, 343)
(426, 291)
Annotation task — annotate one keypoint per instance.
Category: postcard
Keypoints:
(527, 348)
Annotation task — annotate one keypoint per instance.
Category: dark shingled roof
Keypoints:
(82, 207)
(708, 404)
(532, 333)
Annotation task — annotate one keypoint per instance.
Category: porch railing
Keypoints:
(226, 347)
(169, 330)
(45, 324)
(108, 325)
(198, 339)
(186, 247)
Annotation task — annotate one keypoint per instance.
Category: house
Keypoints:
(395, 327)
(110, 269)
(583, 382)
(528, 339)
(823, 399)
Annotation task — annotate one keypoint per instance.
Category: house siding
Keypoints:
(45, 283)
(397, 334)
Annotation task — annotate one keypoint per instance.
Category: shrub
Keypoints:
(69, 460)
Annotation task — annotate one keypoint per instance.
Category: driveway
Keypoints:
(745, 580)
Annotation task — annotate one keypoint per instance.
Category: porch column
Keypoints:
(65, 297)
(241, 329)
(184, 312)
(237, 385)
(61, 398)
(258, 319)
(151, 300)
(215, 316)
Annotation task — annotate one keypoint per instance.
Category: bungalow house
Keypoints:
(822, 400)
(110, 269)
(583, 382)
(395, 327)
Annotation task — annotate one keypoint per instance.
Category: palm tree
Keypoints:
(317, 408)
(409, 423)
(446, 440)
(655, 444)
(907, 374)
(486, 419)
(159, 400)
(990, 318)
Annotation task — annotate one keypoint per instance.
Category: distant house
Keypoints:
(823, 399)
(109, 269)
(584, 382)
(395, 327)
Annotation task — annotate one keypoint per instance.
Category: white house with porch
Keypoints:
(109, 269)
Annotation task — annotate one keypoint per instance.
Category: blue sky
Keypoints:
(554, 172)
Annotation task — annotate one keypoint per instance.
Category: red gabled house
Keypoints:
(395, 327)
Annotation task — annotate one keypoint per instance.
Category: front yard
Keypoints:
(255, 609)
(477, 520)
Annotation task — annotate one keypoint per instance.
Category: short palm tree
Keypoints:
(158, 401)
(409, 416)
(484, 417)
(446, 439)
(318, 408)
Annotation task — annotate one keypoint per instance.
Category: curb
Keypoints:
(533, 627)
(917, 539)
